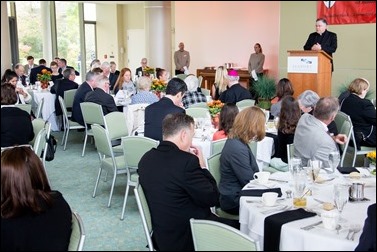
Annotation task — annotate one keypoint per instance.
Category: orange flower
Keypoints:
(158, 85)
(44, 76)
(215, 107)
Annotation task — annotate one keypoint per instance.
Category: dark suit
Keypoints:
(363, 116)
(176, 189)
(35, 71)
(328, 41)
(81, 92)
(61, 70)
(105, 100)
(113, 77)
(22, 78)
(235, 94)
(367, 240)
(58, 89)
(139, 69)
(155, 113)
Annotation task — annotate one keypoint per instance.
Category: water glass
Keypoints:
(341, 194)
(334, 159)
(299, 182)
(295, 166)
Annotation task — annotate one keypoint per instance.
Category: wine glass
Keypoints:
(341, 194)
(334, 159)
(295, 167)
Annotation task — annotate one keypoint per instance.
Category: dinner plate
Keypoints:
(254, 183)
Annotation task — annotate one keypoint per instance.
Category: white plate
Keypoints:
(254, 184)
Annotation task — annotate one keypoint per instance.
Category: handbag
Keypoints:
(51, 148)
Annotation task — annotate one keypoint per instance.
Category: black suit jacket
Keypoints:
(328, 41)
(113, 78)
(155, 113)
(176, 189)
(105, 100)
(80, 94)
(58, 89)
(37, 70)
(139, 69)
(22, 78)
(367, 240)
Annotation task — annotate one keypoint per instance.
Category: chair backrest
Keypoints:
(205, 91)
(210, 235)
(92, 113)
(245, 103)
(198, 112)
(134, 147)
(340, 118)
(115, 123)
(145, 214)
(214, 166)
(182, 76)
(38, 113)
(26, 107)
(135, 118)
(290, 153)
(69, 97)
(199, 105)
(40, 142)
(38, 124)
(217, 146)
(64, 110)
(253, 147)
(102, 140)
(76, 242)
(346, 129)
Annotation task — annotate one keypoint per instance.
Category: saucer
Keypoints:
(269, 184)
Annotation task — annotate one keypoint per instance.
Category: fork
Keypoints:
(308, 227)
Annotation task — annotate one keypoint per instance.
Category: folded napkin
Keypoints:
(259, 192)
(273, 223)
(347, 170)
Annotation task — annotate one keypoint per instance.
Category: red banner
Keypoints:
(344, 12)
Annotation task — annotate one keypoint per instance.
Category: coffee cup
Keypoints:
(269, 198)
(262, 177)
(330, 219)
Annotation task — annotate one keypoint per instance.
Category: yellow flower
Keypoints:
(372, 157)
(215, 107)
(158, 85)
(44, 76)
(149, 70)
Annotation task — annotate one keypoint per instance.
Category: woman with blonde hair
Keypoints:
(237, 162)
(221, 82)
(361, 111)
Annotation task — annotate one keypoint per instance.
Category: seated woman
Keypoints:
(221, 82)
(55, 75)
(124, 82)
(162, 75)
(16, 126)
(227, 114)
(237, 162)
(33, 217)
(143, 94)
(289, 116)
(192, 95)
(283, 88)
(23, 95)
(361, 111)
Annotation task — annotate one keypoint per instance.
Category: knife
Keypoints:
(278, 180)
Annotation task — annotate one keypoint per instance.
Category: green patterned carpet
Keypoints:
(74, 176)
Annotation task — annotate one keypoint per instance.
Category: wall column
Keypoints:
(6, 59)
(158, 34)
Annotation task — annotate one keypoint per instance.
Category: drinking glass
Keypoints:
(334, 159)
(341, 194)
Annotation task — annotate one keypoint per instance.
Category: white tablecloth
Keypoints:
(317, 239)
(48, 110)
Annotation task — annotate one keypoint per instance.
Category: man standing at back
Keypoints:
(181, 60)
(177, 185)
(322, 39)
(169, 104)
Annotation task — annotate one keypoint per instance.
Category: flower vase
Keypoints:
(215, 121)
(158, 94)
(44, 85)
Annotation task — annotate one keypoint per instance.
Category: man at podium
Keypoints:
(322, 39)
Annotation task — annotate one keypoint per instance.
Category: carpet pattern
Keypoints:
(74, 176)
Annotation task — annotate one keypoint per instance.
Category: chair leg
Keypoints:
(98, 177)
(125, 200)
(66, 139)
(112, 189)
(83, 148)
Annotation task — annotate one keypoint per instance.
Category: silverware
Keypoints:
(279, 180)
(308, 227)
(319, 201)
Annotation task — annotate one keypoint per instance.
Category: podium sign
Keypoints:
(303, 64)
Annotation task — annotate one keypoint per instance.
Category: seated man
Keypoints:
(177, 185)
(169, 104)
(101, 96)
(192, 95)
(367, 240)
(139, 71)
(235, 91)
(311, 139)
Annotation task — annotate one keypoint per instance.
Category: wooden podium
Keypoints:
(309, 70)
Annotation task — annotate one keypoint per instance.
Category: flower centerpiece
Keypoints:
(44, 77)
(215, 107)
(371, 156)
(158, 87)
(148, 71)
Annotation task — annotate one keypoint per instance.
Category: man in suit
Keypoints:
(311, 139)
(114, 74)
(62, 63)
(101, 96)
(181, 60)
(88, 85)
(144, 64)
(177, 185)
(322, 39)
(67, 83)
(20, 71)
(367, 241)
(30, 64)
(235, 92)
(37, 70)
(171, 103)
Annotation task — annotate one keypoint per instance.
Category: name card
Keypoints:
(298, 64)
